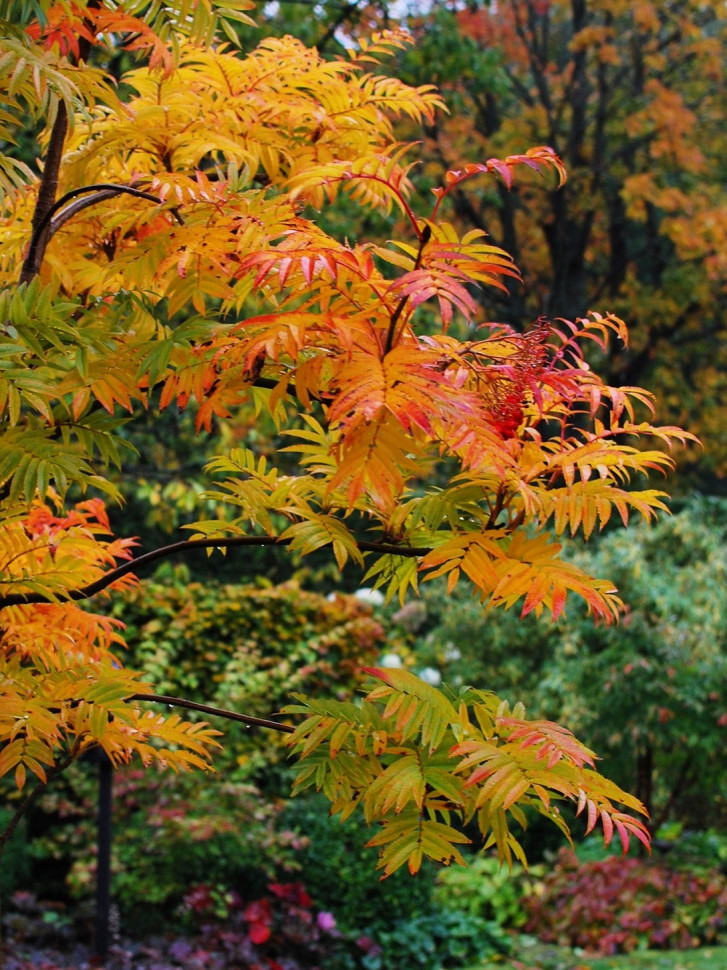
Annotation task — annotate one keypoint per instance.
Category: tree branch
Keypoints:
(423, 240)
(46, 195)
(100, 191)
(214, 711)
(51, 218)
(180, 548)
(49, 180)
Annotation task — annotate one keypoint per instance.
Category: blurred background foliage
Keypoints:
(246, 648)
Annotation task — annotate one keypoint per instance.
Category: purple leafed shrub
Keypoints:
(279, 931)
(618, 905)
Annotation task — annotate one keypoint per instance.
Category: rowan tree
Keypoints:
(631, 96)
(166, 254)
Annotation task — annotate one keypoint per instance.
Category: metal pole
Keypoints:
(103, 859)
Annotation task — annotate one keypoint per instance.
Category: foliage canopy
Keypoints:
(166, 254)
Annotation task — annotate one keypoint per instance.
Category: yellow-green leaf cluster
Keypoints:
(422, 763)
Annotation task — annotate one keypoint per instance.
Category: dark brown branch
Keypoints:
(214, 711)
(46, 195)
(58, 214)
(99, 192)
(51, 168)
(188, 545)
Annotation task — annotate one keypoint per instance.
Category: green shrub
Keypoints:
(15, 868)
(693, 850)
(280, 929)
(487, 890)
(247, 648)
(173, 833)
(447, 938)
(239, 647)
(647, 694)
(398, 922)
(338, 871)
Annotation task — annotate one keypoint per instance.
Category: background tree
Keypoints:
(166, 255)
(630, 95)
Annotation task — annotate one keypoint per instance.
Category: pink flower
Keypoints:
(326, 921)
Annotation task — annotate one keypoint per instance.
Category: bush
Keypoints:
(169, 832)
(617, 905)
(244, 647)
(487, 890)
(278, 931)
(247, 648)
(255, 640)
(340, 875)
(693, 850)
(648, 694)
(172, 833)
(447, 938)
(15, 869)
(391, 923)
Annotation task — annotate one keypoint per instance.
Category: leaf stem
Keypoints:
(496, 508)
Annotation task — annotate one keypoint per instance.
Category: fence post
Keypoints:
(103, 857)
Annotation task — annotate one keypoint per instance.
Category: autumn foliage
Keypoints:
(168, 255)
(630, 95)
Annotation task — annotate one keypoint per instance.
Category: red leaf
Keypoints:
(259, 933)
(502, 169)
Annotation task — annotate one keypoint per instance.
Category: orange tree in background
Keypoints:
(167, 256)
(631, 96)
